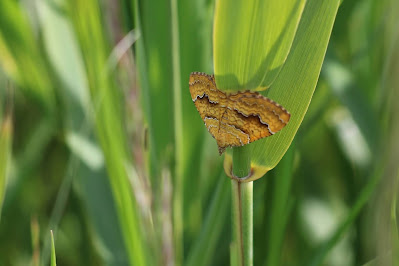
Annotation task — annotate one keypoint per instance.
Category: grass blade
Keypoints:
(109, 119)
(156, 80)
(20, 54)
(195, 55)
(53, 257)
(252, 41)
(281, 207)
(178, 132)
(296, 82)
(205, 248)
(5, 155)
(394, 223)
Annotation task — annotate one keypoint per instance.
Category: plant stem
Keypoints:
(178, 130)
(242, 209)
(394, 228)
(53, 257)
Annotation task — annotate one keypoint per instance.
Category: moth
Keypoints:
(238, 118)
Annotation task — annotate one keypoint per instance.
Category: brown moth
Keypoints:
(235, 119)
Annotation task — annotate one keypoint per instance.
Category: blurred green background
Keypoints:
(100, 141)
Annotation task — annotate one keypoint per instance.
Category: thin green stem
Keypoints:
(241, 161)
(53, 257)
(242, 209)
(394, 224)
(178, 131)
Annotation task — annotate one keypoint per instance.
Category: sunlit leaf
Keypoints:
(252, 40)
(296, 82)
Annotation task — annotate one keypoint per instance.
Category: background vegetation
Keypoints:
(100, 142)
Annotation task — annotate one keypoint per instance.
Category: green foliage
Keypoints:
(5, 155)
(109, 121)
(281, 207)
(107, 148)
(252, 41)
(53, 261)
(295, 85)
(21, 55)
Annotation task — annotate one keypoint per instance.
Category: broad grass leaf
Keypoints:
(296, 82)
(252, 40)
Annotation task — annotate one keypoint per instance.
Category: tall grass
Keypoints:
(104, 145)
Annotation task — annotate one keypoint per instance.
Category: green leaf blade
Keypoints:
(252, 41)
(53, 257)
(296, 83)
(109, 119)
